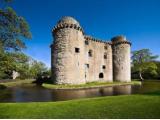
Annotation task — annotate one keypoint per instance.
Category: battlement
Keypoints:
(122, 42)
(66, 25)
(96, 40)
(67, 22)
(119, 40)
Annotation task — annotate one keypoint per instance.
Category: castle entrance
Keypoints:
(101, 75)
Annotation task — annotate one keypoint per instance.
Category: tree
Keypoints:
(13, 31)
(142, 60)
(14, 61)
(158, 69)
(13, 28)
(37, 68)
(21, 63)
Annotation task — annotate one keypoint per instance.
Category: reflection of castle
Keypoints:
(77, 58)
(85, 93)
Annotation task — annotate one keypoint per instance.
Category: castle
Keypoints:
(77, 58)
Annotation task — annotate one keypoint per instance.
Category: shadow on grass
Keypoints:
(153, 93)
(2, 87)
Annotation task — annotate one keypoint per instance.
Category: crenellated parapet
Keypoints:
(120, 40)
(96, 40)
(66, 25)
(67, 22)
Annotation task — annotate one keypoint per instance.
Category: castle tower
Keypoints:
(121, 59)
(67, 60)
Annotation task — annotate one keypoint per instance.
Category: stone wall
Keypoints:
(67, 63)
(97, 63)
(77, 58)
(121, 60)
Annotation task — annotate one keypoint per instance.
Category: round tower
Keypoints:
(67, 60)
(121, 59)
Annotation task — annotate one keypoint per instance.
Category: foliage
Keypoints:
(124, 106)
(11, 61)
(37, 68)
(151, 71)
(158, 68)
(143, 62)
(143, 55)
(13, 30)
(23, 64)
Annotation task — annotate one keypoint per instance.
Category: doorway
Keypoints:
(101, 75)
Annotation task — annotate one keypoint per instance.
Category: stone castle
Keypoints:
(77, 58)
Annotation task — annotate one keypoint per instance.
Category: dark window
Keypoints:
(86, 42)
(105, 47)
(105, 56)
(100, 75)
(77, 50)
(104, 67)
(90, 53)
(87, 65)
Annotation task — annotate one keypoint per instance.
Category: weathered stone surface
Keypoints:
(77, 58)
(121, 60)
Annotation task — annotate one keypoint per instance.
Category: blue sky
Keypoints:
(138, 20)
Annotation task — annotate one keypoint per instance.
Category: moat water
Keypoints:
(40, 94)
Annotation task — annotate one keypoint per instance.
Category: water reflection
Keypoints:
(24, 94)
(67, 94)
(122, 90)
(36, 93)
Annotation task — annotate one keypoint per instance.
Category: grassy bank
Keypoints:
(89, 85)
(17, 82)
(53, 86)
(126, 106)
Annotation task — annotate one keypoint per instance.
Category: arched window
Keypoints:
(101, 75)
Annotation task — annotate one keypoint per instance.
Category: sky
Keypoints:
(138, 20)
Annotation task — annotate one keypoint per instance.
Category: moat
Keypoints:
(40, 94)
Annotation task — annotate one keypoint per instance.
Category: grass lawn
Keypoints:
(53, 86)
(125, 106)
(17, 82)
(89, 85)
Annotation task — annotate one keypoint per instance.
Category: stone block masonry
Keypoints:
(77, 58)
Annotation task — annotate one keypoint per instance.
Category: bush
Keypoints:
(43, 78)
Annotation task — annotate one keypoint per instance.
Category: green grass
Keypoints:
(89, 85)
(17, 82)
(125, 106)
(53, 86)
